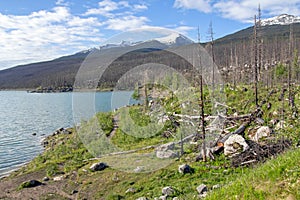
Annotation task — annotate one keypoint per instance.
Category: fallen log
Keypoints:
(238, 131)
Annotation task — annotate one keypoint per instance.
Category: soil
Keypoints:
(49, 190)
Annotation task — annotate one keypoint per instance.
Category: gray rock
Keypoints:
(31, 183)
(74, 192)
(166, 147)
(201, 189)
(167, 191)
(98, 166)
(202, 196)
(166, 154)
(184, 169)
(142, 198)
(139, 169)
(163, 197)
(130, 190)
(261, 133)
(234, 145)
(216, 186)
(58, 178)
(280, 125)
(46, 178)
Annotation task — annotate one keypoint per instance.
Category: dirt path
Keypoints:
(116, 126)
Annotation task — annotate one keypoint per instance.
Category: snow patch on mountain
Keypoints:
(173, 39)
(283, 19)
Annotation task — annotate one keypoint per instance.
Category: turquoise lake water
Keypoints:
(22, 114)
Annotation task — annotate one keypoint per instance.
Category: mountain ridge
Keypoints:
(63, 70)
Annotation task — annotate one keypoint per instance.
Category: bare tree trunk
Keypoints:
(290, 58)
(211, 37)
(255, 61)
(203, 150)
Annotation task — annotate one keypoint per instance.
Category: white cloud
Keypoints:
(246, 9)
(109, 8)
(48, 34)
(241, 10)
(106, 8)
(126, 23)
(140, 7)
(45, 35)
(62, 3)
(236, 11)
(201, 5)
(184, 29)
(120, 15)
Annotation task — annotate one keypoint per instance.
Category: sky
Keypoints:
(32, 30)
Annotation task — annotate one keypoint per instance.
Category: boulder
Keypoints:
(130, 190)
(214, 187)
(201, 189)
(166, 147)
(29, 184)
(98, 166)
(142, 198)
(58, 178)
(234, 145)
(280, 125)
(164, 197)
(167, 191)
(74, 192)
(139, 169)
(261, 133)
(166, 154)
(184, 169)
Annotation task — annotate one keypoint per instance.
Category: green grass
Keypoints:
(64, 154)
(276, 179)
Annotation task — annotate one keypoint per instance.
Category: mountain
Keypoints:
(174, 39)
(62, 71)
(234, 49)
(283, 19)
(171, 40)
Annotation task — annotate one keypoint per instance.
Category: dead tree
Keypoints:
(202, 124)
(211, 39)
(290, 60)
(255, 64)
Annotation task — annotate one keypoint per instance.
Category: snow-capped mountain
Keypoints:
(121, 44)
(173, 39)
(283, 19)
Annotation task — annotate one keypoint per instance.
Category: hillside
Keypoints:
(274, 44)
(65, 169)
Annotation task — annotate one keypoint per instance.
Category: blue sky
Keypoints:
(32, 30)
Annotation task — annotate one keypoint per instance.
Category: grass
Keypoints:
(63, 154)
(278, 178)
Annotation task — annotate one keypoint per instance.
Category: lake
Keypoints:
(22, 114)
